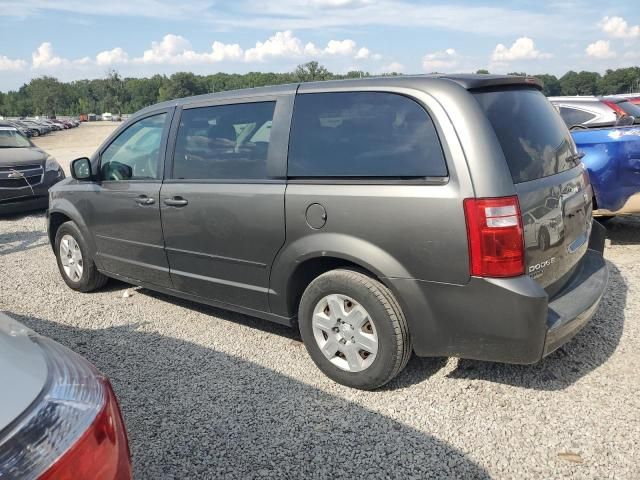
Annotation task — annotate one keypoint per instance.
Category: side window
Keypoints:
(572, 116)
(135, 153)
(363, 134)
(224, 142)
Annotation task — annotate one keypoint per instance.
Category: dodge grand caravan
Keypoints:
(443, 215)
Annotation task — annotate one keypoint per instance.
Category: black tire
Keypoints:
(91, 278)
(394, 344)
(543, 240)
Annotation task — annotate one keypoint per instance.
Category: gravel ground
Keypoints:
(207, 393)
(67, 145)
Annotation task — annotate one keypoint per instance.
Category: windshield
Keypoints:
(11, 138)
(535, 140)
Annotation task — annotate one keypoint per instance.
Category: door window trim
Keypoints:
(161, 153)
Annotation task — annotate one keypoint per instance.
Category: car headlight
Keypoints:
(51, 165)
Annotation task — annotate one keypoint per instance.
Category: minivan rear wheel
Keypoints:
(74, 262)
(354, 329)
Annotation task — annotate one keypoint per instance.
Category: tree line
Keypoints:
(48, 96)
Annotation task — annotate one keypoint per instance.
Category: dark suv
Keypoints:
(441, 215)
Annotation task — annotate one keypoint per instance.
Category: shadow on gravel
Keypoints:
(585, 352)
(624, 230)
(193, 412)
(417, 370)
(11, 242)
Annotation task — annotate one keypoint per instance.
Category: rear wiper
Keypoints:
(577, 157)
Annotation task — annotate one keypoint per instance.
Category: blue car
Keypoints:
(612, 156)
(611, 149)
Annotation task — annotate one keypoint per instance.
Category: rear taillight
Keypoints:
(495, 235)
(72, 430)
(614, 106)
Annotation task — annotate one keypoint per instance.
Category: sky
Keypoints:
(77, 39)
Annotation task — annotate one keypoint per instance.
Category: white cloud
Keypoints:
(177, 50)
(600, 49)
(362, 54)
(286, 45)
(393, 67)
(224, 51)
(522, 49)
(282, 44)
(618, 27)
(7, 64)
(44, 57)
(340, 47)
(439, 61)
(112, 57)
(169, 50)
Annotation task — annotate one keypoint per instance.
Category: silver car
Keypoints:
(594, 112)
(585, 110)
(59, 417)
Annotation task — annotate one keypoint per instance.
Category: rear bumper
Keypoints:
(503, 320)
(574, 306)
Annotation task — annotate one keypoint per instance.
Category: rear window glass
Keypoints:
(573, 116)
(363, 134)
(533, 136)
(630, 109)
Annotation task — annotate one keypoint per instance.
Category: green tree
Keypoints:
(311, 71)
(482, 71)
(622, 80)
(550, 85)
(583, 83)
(47, 95)
(182, 84)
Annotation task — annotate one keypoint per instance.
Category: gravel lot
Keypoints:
(207, 393)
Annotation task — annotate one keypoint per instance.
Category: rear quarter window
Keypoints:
(534, 139)
(573, 116)
(363, 134)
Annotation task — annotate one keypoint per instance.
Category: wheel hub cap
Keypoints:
(345, 333)
(71, 258)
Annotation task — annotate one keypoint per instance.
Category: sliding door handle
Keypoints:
(176, 202)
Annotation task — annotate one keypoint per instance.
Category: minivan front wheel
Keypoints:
(74, 262)
(354, 329)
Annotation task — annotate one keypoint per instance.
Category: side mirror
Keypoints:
(625, 121)
(81, 169)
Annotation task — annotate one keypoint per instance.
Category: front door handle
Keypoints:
(176, 202)
(144, 200)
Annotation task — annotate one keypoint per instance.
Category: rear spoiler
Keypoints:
(479, 82)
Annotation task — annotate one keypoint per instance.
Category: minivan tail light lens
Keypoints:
(72, 430)
(495, 236)
(614, 106)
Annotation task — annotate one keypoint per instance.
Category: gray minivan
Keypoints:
(446, 215)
